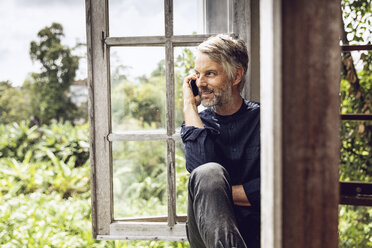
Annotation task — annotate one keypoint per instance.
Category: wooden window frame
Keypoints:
(356, 193)
(172, 227)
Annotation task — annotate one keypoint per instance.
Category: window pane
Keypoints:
(137, 88)
(136, 18)
(202, 16)
(182, 179)
(356, 86)
(139, 179)
(357, 24)
(356, 150)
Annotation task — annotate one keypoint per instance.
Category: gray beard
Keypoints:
(219, 98)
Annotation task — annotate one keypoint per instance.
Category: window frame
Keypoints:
(99, 42)
(355, 193)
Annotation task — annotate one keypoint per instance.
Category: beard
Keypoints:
(220, 95)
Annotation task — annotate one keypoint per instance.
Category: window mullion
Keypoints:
(169, 70)
(171, 176)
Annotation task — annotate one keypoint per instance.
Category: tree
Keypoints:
(14, 103)
(58, 69)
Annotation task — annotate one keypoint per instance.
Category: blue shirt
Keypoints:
(232, 141)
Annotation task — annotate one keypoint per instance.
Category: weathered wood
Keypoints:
(254, 51)
(99, 116)
(145, 231)
(142, 136)
(179, 219)
(356, 193)
(177, 40)
(241, 27)
(311, 82)
(138, 135)
(91, 117)
(136, 41)
(171, 180)
(170, 92)
(271, 124)
(189, 40)
(246, 25)
(101, 134)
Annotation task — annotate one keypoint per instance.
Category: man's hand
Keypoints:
(239, 196)
(188, 96)
(190, 104)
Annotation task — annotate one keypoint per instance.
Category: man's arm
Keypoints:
(239, 196)
(190, 104)
(198, 140)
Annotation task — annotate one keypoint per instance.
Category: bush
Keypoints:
(44, 189)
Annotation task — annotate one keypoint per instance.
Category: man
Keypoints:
(222, 149)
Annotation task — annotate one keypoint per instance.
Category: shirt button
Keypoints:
(234, 149)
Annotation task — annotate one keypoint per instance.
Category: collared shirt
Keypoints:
(232, 141)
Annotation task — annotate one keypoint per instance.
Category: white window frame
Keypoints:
(99, 42)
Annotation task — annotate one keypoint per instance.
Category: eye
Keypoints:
(210, 73)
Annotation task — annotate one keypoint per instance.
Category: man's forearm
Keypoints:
(239, 196)
(191, 116)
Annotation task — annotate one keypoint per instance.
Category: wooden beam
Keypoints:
(145, 231)
(356, 193)
(99, 115)
(177, 40)
(311, 122)
(271, 123)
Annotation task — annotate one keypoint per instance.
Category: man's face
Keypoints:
(214, 86)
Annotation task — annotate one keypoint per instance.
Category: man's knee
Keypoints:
(209, 175)
(210, 169)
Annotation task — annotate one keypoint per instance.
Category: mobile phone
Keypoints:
(194, 88)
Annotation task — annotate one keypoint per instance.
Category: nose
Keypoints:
(201, 82)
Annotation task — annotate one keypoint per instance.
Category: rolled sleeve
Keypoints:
(252, 190)
(199, 146)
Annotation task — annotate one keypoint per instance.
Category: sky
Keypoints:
(20, 21)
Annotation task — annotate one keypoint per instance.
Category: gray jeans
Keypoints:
(211, 221)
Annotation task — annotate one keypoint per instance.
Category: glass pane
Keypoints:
(137, 88)
(356, 86)
(182, 179)
(202, 16)
(355, 228)
(357, 22)
(136, 18)
(356, 150)
(139, 179)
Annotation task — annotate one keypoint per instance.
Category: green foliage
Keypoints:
(355, 226)
(357, 16)
(140, 181)
(14, 103)
(44, 187)
(58, 69)
(356, 136)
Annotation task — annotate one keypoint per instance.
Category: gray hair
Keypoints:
(231, 53)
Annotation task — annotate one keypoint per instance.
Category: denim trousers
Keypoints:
(211, 222)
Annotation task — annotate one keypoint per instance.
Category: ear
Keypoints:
(238, 76)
